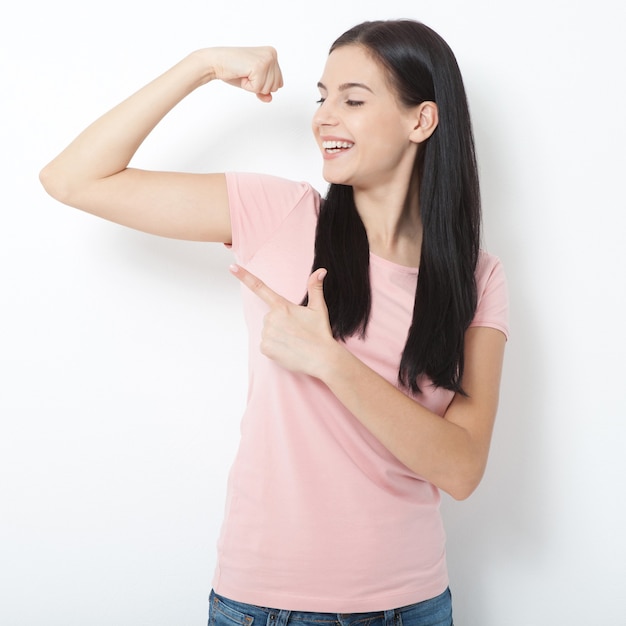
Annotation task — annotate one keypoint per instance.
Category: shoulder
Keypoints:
(267, 190)
(492, 293)
(261, 205)
(488, 267)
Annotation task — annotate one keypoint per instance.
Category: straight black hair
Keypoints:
(421, 67)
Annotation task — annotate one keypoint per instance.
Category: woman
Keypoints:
(370, 390)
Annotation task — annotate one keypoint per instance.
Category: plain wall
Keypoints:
(122, 354)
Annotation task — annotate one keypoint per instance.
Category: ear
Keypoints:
(427, 118)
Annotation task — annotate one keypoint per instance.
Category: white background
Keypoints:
(123, 364)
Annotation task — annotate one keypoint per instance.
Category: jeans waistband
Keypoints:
(243, 614)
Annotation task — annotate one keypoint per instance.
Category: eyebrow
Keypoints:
(345, 86)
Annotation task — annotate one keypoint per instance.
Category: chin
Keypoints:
(335, 178)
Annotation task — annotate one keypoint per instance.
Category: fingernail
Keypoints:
(233, 268)
(322, 275)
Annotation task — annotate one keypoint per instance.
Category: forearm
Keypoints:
(435, 448)
(106, 146)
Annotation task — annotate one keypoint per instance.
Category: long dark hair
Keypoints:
(421, 67)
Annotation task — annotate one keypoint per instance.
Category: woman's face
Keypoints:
(361, 129)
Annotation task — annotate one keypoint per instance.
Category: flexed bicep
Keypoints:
(92, 173)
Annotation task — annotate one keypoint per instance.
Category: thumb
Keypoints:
(315, 288)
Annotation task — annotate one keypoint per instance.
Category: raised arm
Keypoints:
(92, 173)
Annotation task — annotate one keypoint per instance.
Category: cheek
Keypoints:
(386, 130)
(388, 147)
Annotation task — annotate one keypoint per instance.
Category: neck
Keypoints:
(393, 224)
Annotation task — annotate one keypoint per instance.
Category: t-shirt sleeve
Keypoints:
(492, 309)
(259, 203)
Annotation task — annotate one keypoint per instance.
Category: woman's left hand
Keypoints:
(298, 338)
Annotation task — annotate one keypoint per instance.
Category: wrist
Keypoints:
(332, 362)
(203, 61)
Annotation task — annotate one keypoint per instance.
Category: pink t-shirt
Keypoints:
(319, 515)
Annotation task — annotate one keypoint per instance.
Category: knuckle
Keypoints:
(256, 284)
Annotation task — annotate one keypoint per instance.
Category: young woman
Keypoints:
(377, 323)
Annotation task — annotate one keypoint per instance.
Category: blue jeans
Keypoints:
(434, 612)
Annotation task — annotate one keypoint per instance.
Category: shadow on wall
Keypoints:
(497, 529)
(502, 528)
(246, 141)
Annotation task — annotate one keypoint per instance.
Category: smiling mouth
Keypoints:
(332, 147)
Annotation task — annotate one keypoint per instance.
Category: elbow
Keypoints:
(461, 492)
(464, 484)
(54, 183)
(49, 181)
(465, 470)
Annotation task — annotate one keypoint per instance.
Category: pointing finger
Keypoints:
(257, 286)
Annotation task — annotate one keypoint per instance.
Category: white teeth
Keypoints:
(333, 145)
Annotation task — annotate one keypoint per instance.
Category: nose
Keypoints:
(324, 115)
